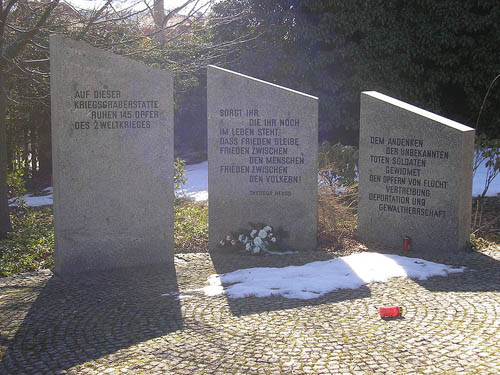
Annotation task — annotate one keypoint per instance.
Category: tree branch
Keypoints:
(94, 17)
(3, 18)
(15, 47)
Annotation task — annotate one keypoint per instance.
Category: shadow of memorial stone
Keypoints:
(482, 272)
(79, 320)
(225, 262)
(262, 152)
(481, 275)
(105, 216)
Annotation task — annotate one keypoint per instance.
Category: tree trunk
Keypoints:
(45, 153)
(159, 12)
(34, 152)
(26, 151)
(5, 225)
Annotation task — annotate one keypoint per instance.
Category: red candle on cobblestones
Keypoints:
(389, 312)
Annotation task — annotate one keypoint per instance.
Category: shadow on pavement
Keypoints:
(225, 263)
(74, 321)
(482, 272)
(481, 275)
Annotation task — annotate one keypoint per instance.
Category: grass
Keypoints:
(190, 226)
(30, 247)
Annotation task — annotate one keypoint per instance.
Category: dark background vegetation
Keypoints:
(439, 55)
(443, 56)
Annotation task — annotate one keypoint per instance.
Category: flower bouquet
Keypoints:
(259, 240)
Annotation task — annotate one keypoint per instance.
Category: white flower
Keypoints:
(248, 246)
(270, 235)
(222, 243)
(253, 233)
(256, 250)
(233, 242)
(228, 238)
(262, 233)
(267, 228)
(273, 239)
(242, 238)
(257, 241)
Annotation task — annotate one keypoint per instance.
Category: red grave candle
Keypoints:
(389, 312)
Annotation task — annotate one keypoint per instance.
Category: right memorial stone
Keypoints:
(415, 177)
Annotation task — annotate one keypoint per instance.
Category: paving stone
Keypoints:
(122, 324)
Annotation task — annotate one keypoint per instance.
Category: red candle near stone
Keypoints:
(406, 243)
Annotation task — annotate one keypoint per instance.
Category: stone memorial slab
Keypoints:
(262, 158)
(112, 139)
(415, 176)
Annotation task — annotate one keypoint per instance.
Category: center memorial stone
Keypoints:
(112, 137)
(262, 154)
(415, 176)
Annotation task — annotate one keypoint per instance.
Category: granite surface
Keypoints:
(262, 158)
(415, 180)
(112, 139)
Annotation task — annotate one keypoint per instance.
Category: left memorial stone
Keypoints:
(112, 155)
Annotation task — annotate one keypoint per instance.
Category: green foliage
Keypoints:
(30, 246)
(179, 173)
(439, 55)
(478, 243)
(190, 226)
(338, 164)
(16, 183)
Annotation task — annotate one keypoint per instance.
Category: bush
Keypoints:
(478, 243)
(487, 151)
(337, 215)
(16, 184)
(30, 246)
(337, 164)
(190, 226)
(179, 173)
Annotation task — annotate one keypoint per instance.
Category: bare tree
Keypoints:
(26, 24)
(13, 39)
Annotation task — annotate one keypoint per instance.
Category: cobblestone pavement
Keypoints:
(121, 323)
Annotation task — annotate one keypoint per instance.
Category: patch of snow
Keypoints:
(314, 279)
(214, 287)
(480, 180)
(196, 187)
(34, 201)
(198, 196)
